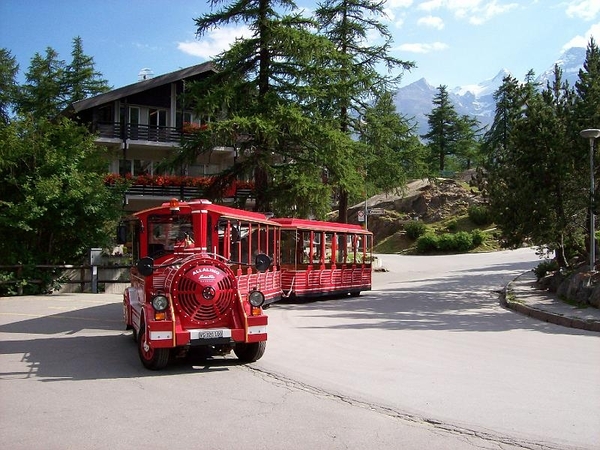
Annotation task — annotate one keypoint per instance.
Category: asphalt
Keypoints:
(523, 296)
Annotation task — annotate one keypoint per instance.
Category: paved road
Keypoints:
(426, 360)
(433, 343)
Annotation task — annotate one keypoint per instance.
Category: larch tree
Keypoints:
(534, 175)
(352, 25)
(8, 84)
(442, 135)
(587, 111)
(82, 80)
(263, 100)
(43, 95)
(392, 154)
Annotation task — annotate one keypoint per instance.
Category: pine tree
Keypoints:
(44, 93)
(82, 80)
(442, 129)
(8, 84)
(268, 89)
(348, 24)
(392, 154)
(534, 183)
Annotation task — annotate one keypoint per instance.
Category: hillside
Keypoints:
(441, 204)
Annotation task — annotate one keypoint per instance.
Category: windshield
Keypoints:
(164, 231)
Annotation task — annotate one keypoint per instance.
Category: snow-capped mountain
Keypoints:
(415, 101)
(570, 62)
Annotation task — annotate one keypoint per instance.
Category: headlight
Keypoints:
(256, 298)
(160, 302)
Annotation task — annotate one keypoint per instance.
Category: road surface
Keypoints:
(428, 359)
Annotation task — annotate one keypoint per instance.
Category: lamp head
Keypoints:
(590, 133)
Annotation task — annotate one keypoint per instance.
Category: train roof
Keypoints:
(207, 205)
(308, 224)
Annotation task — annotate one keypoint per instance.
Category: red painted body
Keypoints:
(324, 258)
(202, 263)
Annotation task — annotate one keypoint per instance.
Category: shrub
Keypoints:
(478, 237)
(550, 265)
(415, 229)
(427, 243)
(479, 214)
(446, 242)
(452, 225)
(463, 241)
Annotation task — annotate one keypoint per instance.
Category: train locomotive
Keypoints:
(204, 272)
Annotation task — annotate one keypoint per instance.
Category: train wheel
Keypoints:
(152, 358)
(250, 352)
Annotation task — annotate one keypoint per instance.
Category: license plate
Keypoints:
(210, 334)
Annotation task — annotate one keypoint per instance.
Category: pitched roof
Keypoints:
(140, 86)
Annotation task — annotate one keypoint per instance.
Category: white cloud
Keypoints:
(431, 21)
(394, 4)
(422, 47)
(475, 12)
(582, 41)
(213, 42)
(583, 9)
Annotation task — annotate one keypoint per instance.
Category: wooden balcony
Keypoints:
(149, 133)
(180, 187)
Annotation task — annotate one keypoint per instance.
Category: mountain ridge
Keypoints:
(415, 100)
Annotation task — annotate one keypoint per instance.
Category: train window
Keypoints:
(329, 255)
(307, 247)
(164, 231)
(289, 246)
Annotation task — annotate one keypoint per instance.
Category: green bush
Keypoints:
(427, 243)
(478, 237)
(446, 242)
(415, 229)
(463, 241)
(452, 225)
(544, 267)
(479, 215)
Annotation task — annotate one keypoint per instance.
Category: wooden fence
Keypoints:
(73, 278)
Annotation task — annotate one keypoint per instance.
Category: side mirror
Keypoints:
(122, 233)
(262, 262)
(145, 266)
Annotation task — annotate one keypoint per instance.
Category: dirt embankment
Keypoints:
(425, 200)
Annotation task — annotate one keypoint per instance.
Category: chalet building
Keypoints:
(139, 125)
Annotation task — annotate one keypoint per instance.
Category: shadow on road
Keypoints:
(83, 344)
(465, 300)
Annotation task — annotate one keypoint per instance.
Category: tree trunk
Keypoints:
(343, 207)
(261, 184)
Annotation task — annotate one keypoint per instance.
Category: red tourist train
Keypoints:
(205, 272)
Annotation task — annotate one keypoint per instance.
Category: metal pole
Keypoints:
(592, 134)
(366, 210)
(592, 218)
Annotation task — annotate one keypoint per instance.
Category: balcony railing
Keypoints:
(151, 133)
(181, 187)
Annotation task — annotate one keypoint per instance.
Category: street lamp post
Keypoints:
(591, 134)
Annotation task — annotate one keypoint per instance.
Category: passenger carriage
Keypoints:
(324, 258)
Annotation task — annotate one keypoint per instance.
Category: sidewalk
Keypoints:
(522, 296)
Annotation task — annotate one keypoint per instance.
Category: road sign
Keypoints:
(361, 216)
(376, 211)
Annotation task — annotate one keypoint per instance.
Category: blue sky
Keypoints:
(453, 42)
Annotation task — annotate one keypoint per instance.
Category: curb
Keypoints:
(511, 291)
